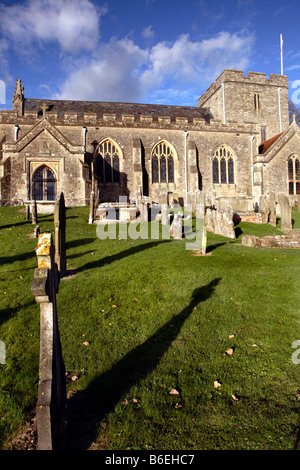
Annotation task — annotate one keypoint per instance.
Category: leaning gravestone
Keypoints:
(285, 212)
(60, 233)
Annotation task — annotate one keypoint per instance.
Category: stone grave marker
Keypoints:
(285, 212)
(60, 233)
(51, 403)
(272, 206)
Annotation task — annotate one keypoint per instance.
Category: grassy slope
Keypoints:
(158, 318)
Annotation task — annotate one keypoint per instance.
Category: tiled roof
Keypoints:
(100, 107)
(264, 146)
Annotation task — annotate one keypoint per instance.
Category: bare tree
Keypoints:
(294, 110)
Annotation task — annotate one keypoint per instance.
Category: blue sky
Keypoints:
(147, 51)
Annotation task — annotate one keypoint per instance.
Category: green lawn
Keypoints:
(157, 318)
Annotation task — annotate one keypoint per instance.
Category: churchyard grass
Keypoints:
(140, 318)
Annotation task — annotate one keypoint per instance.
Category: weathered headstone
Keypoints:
(34, 218)
(50, 407)
(176, 226)
(164, 215)
(272, 206)
(92, 208)
(264, 208)
(60, 233)
(285, 212)
(220, 222)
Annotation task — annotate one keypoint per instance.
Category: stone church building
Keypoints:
(237, 142)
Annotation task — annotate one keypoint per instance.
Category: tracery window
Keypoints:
(223, 166)
(108, 163)
(44, 184)
(163, 164)
(294, 174)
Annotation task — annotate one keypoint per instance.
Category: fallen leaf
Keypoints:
(125, 402)
(217, 384)
(229, 352)
(135, 400)
(173, 392)
(254, 346)
(178, 405)
(86, 343)
(234, 398)
(231, 336)
(74, 378)
(114, 306)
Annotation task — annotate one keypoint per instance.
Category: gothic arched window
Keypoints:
(223, 166)
(44, 184)
(163, 164)
(108, 163)
(294, 174)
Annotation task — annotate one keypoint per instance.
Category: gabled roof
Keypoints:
(100, 107)
(264, 146)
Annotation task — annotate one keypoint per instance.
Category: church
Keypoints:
(236, 142)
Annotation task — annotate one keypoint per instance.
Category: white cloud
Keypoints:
(148, 32)
(74, 24)
(113, 76)
(122, 71)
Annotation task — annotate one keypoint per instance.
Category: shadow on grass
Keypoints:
(7, 313)
(89, 407)
(20, 257)
(118, 256)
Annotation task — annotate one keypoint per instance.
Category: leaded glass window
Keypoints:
(294, 174)
(223, 166)
(44, 184)
(163, 164)
(108, 163)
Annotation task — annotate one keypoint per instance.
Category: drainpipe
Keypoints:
(16, 132)
(223, 98)
(84, 137)
(279, 109)
(251, 140)
(185, 157)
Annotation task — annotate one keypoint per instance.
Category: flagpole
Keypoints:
(281, 53)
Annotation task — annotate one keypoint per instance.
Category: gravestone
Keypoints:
(285, 212)
(220, 222)
(176, 226)
(264, 208)
(34, 218)
(60, 233)
(51, 403)
(164, 215)
(272, 207)
(92, 208)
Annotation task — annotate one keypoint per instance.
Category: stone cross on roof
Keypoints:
(44, 108)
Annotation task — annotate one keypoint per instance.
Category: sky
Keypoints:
(142, 51)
